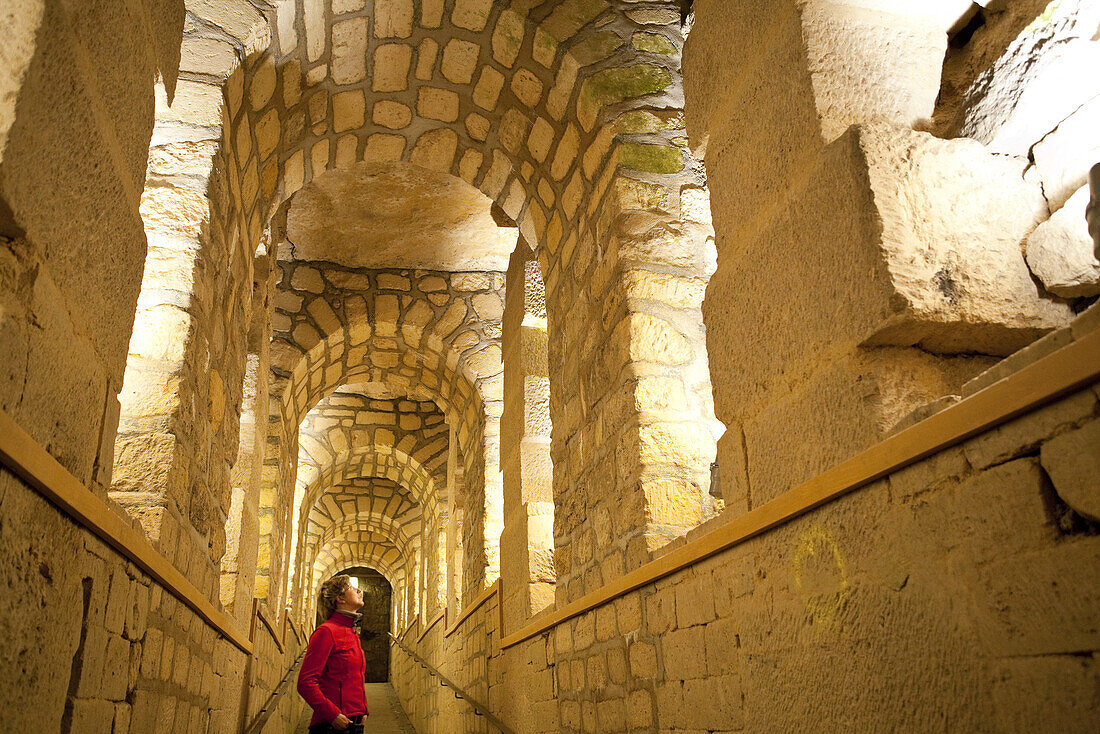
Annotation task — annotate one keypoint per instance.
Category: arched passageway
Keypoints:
(558, 328)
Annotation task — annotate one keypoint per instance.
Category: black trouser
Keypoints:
(356, 727)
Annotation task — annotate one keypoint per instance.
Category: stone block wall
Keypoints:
(1004, 87)
(956, 592)
(466, 657)
(269, 666)
(865, 268)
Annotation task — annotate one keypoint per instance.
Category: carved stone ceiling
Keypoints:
(397, 215)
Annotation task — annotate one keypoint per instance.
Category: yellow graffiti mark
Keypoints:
(822, 594)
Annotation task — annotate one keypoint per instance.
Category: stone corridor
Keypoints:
(663, 366)
(386, 714)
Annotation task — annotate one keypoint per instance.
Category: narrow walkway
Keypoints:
(386, 714)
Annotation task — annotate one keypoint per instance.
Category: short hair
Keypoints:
(332, 590)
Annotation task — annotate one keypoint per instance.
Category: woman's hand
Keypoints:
(341, 722)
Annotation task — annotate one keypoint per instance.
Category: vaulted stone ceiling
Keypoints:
(397, 215)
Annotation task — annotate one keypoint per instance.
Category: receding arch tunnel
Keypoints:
(651, 365)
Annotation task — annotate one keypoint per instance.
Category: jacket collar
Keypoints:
(344, 619)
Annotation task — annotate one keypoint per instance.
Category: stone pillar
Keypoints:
(185, 368)
(864, 269)
(633, 423)
(238, 566)
(456, 559)
(527, 543)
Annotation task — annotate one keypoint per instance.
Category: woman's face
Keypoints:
(351, 599)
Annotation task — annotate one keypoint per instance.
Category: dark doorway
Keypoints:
(374, 624)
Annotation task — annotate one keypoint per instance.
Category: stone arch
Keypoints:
(401, 514)
(406, 447)
(357, 535)
(447, 351)
(363, 548)
(583, 151)
(377, 554)
(350, 526)
(365, 462)
(406, 433)
(429, 351)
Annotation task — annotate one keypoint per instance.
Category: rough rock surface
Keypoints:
(397, 215)
(1024, 94)
(953, 217)
(1060, 251)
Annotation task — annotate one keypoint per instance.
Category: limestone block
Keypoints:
(307, 279)
(714, 703)
(435, 149)
(425, 59)
(382, 148)
(208, 56)
(92, 715)
(1065, 684)
(471, 14)
(393, 115)
(347, 6)
(1016, 617)
(840, 65)
(391, 67)
(904, 240)
(1023, 96)
(844, 407)
(1060, 251)
(437, 104)
(162, 333)
(695, 601)
(1072, 460)
(567, 18)
(393, 18)
(953, 217)
(1019, 437)
(348, 110)
(682, 658)
(1065, 154)
(460, 60)
(617, 84)
(527, 87)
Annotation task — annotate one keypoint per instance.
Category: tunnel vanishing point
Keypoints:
(675, 367)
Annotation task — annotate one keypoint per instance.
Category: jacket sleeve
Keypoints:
(313, 665)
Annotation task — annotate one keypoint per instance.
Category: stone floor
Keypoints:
(386, 714)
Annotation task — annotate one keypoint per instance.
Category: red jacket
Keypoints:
(331, 678)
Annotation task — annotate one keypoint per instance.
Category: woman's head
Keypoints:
(336, 593)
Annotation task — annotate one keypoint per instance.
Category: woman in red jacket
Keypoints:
(331, 679)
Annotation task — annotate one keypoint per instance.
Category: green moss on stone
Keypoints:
(651, 158)
(1044, 18)
(654, 43)
(612, 86)
(597, 48)
(644, 121)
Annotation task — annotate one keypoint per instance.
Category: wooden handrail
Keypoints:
(479, 708)
(271, 628)
(408, 628)
(288, 621)
(29, 461)
(272, 701)
(431, 623)
(473, 607)
(1071, 368)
